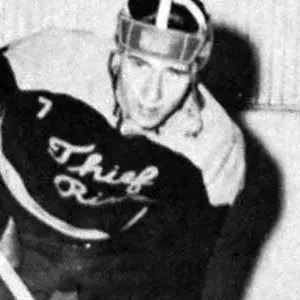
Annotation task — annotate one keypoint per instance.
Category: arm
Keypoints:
(247, 225)
(216, 146)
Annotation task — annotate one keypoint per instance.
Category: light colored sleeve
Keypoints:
(223, 159)
(218, 148)
(72, 62)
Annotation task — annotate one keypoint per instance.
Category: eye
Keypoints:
(137, 62)
(175, 72)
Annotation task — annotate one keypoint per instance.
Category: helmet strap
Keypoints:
(113, 66)
(197, 97)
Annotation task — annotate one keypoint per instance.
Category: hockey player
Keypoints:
(154, 77)
(162, 47)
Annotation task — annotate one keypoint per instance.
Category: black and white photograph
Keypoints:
(149, 150)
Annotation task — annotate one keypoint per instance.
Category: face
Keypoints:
(150, 89)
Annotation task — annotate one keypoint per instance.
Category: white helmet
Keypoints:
(178, 30)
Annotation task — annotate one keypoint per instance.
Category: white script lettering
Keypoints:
(61, 151)
(134, 181)
(70, 187)
(46, 107)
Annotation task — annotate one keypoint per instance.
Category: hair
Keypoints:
(180, 18)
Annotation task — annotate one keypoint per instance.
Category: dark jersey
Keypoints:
(66, 171)
(66, 166)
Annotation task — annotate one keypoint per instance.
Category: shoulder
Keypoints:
(65, 61)
(223, 156)
(218, 129)
(71, 53)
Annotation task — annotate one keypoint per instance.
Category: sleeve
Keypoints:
(218, 149)
(221, 152)
(247, 225)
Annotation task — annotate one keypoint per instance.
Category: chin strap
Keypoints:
(195, 80)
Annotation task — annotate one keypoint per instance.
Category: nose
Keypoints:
(152, 88)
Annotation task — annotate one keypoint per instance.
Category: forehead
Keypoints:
(156, 62)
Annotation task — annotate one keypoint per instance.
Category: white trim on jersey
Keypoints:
(16, 186)
(13, 281)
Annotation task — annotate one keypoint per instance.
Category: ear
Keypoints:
(114, 62)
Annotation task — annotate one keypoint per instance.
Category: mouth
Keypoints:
(149, 110)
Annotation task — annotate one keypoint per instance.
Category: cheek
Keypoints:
(127, 85)
(182, 85)
(128, 89)
(134, 76)
(127, 81)
(175, 92)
